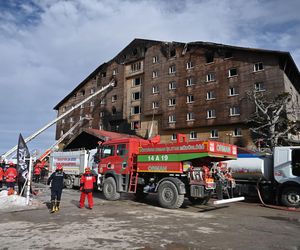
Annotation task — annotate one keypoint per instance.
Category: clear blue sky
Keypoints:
(47, 47)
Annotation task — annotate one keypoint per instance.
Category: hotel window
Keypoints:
(135, 110)
(113, 110)
(232, 91)
(91, 103)
(155, 105)
(193, 135)
(234, 111)
(135, 125)
(101, 114)
(136, 96)
(172, 69)
(103, 74)
(189, 65)
(210, 77)
(71, 119)
(189, 82)
(172, 102)
(172, 119)
(155, 89)
(210, 95)
(190, 116)
(174, 137)
(259, 86)
(62, 121)
(258, 66)
(214, 133)
(172, 85)
(92, 91)
(190, 99)
(155, 59)
(82, 106)
(64, 109)
(232, 72)
(237, 132)
(209, 57)
(136, 67)
(80, 117)
(211, 114)
(115, 71)
(114, 98)
(154, 74)
(102, 102)
(136, 81)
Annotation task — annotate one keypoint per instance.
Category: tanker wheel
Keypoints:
(110, 189)
(290, 197)
(168, 195)
(68, 182)
(199, 201)
(140, 195)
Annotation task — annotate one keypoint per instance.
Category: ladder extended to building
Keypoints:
(112, 83)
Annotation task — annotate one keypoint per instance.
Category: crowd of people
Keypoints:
(11, 178)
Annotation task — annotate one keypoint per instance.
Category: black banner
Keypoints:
(22, 154)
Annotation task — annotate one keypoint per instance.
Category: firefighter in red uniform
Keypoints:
(37, 173)
(11, 176)
(1, 177)
(86, 186)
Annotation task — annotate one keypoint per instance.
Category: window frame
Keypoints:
(230, 74)
(258, 66)
(211, 114)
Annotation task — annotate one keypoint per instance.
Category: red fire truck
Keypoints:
(173, 170)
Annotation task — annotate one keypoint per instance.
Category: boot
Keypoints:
(52, 207)
(57, 206)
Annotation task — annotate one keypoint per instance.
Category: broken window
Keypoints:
(209, 56)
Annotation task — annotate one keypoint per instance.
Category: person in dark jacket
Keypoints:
(86, 186)
(57, 183)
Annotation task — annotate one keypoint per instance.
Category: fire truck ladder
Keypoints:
(133, 181)
(112, 83)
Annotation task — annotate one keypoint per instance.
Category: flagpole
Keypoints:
(29, 180)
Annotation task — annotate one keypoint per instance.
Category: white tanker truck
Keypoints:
(277, 176)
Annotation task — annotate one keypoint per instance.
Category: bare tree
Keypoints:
(274, 119)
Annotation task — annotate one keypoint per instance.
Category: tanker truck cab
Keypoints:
(287, 174)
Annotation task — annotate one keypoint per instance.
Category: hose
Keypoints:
(293, 209)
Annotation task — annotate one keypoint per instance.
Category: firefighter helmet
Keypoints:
(59, 167)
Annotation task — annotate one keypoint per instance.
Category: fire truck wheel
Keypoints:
(110, 189)
(199, 201)
(168, 196)
(290, 197)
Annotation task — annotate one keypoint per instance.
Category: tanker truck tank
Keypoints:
(251, 167)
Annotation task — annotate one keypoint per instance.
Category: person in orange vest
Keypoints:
(37, 173)
(86, 187)
(1, 177)
(11, 177)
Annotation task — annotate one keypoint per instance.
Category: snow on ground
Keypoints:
(15, 202)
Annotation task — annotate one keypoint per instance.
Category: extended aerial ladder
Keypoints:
(112, 83)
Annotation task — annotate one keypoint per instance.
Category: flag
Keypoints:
(22, 154)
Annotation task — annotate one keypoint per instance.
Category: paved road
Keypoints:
(126, 224)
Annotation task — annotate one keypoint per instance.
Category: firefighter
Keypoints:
(57, 183)
(1, 177)
(11, 176)
(86, 186)
(37, 173)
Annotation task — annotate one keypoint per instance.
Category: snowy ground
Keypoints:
(15, 202)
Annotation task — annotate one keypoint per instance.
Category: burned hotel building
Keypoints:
(197, 88)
